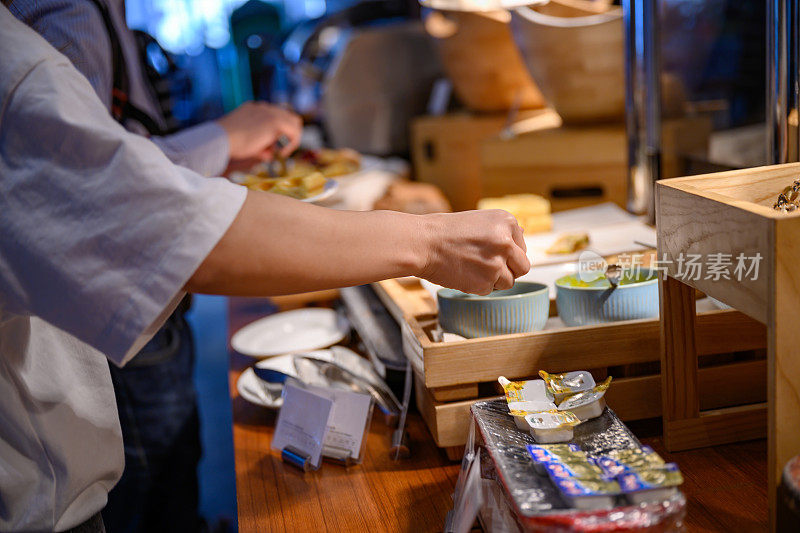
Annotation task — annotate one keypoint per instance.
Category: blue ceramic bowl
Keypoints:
(524, 307)
(581, 304)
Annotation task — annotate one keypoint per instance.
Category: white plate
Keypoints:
(328, 190)
(295, 331)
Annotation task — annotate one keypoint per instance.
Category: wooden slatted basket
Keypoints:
(450, 376)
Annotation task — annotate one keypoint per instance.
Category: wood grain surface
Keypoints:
(678, 351)
(784, 352)
(719, 230)
(378, 495)
(725, 486)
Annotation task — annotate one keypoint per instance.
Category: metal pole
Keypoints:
(783, 90)
(643, 103)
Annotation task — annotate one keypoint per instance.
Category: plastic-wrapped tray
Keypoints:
(534, 499)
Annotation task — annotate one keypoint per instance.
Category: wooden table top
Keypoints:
(725, 486)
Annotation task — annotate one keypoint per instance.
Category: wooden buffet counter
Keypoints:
(725, 486)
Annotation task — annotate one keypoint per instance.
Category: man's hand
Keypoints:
(254, 127)
(475, 251)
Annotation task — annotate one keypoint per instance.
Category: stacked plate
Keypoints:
(291, 332)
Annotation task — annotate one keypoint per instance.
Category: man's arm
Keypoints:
(277, 245)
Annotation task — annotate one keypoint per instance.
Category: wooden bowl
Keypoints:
(577, 62)
(479, 56)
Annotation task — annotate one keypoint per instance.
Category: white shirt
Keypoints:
(98, 234)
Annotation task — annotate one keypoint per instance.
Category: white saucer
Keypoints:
(249, 386)
(295, 331)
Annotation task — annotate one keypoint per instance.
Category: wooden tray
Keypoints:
(450, 376)
(731, 213)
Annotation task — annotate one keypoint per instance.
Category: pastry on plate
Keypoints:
(568, 243)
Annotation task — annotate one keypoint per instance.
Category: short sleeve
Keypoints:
(100, 230)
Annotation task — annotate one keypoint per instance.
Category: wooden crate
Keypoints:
(572, 166)
(730, 213)
(576, 166)
(451, 376)
(445, 150)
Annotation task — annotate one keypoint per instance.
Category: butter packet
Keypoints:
(568, 383)
(534, 390)
(519, 410)
(588, 493)
(587, 404)
(552, 426)
(654, 484)
(585, 469)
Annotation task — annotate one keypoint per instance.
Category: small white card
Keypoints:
(348, 419)
(302, 422)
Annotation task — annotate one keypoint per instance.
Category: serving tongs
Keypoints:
(311, 369)
(278, 160)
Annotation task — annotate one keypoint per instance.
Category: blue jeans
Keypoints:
(160, 429)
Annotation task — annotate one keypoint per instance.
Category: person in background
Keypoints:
(101, 238)
(155, 391)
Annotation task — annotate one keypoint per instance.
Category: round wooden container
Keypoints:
(577, 62)
(479, 56)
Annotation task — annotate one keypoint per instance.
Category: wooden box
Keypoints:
(730, 213)
(445, 150)
(573, 166)
(576, 166)
(451, 376)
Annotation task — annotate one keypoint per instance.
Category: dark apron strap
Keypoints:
(121, 107)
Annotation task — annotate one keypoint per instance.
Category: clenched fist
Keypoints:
(254, 127)
(474, 251)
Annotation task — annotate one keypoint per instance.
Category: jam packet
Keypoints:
(585, 469)
(588, 493)
(587, 404)
(555, 449)
(548, 453)
(568, 383)
(653, 484)
(552, 426)
(629, 460)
